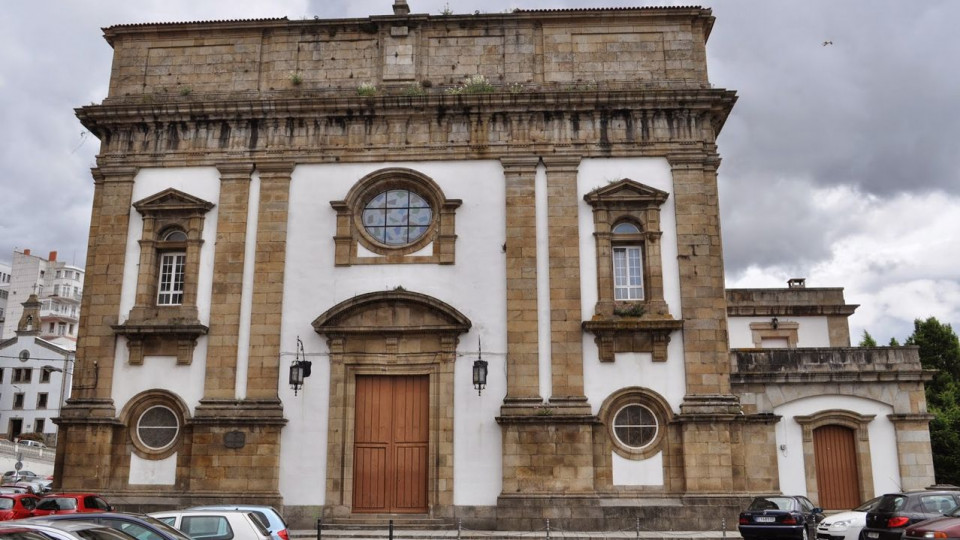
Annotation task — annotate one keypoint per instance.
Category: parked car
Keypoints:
(17, 505)
(139, 526)
(9, 488)
(79, 530)
(846, 525)
(897, 511)
(947, 526)
(71, 503)
(12, 532)
(781, 516)
(32, 444)
(216, 524)
(10, 477)
(268, 516)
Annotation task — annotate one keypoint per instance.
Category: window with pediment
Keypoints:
(164, 319)
(395, 216)
(631, 314)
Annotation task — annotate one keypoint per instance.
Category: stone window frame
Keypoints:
(860, 424)
(351, 233)
(654, 402)
(135, 410)
(638, 204)
(159, 329)
(775, 329)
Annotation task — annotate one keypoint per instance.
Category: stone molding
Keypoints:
(351, 232)
(859, 424)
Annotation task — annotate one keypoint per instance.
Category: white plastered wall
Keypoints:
(475, 286)
(162, 372)
(883, 443)
(811, 331)
(631, 369)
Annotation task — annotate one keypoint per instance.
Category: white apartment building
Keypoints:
(4, 293)
(56, 284)
(35, 378)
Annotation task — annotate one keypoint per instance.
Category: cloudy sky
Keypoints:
(840, 161)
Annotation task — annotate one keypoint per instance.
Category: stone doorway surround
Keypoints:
(858, 423)
(394, 332)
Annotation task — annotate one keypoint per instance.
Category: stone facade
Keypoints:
(288, 129)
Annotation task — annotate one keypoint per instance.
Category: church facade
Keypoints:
(485, 249)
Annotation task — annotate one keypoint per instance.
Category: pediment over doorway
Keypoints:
(388, 312)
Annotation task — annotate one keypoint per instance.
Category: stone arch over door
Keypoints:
(400, 333)
(858, 424)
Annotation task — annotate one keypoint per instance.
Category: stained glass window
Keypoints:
(397, 217)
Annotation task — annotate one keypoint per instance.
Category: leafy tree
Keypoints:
(867, 340)
(940, 350)
(894, 342)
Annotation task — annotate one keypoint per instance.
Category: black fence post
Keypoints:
(319, 528)
(390, 534)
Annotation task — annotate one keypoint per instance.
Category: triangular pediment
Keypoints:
(397, 311)
(626, 192)
(172, 200)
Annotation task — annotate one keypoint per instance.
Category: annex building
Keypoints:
(400, 198)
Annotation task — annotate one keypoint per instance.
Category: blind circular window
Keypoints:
(158, 427)
(397, 217)
(635, 426)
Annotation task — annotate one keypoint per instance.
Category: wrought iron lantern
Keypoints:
(479, 371)
(299, 368)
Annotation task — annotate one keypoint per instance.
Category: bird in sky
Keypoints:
(825, 43)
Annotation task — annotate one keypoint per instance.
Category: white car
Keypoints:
(846, 525)
(215, 524)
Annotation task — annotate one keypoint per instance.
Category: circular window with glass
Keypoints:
(397, 217)
(157, 428)
(635, 426)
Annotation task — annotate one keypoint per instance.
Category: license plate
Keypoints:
(765, 519)
(873, 535)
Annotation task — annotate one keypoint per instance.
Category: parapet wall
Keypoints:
(631, 47)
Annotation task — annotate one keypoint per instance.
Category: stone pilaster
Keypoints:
(708, 409)
(913, 449)
(228, 264)
(523, 370)
(566, 335)
(86, 421)
(264, 364)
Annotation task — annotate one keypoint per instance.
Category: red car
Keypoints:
(71, 503)
(17, 505)
(947, 526)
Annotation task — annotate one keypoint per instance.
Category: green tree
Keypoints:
(894, 342)
(867, 340)
(940, 350)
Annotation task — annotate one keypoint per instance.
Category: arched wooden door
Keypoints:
(835, 455)
(391, 444)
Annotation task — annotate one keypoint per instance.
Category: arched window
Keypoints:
(627, 262)
(172, 262)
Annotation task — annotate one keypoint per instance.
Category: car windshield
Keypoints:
(22, 535)
(101, 533)
(772, 503)
(5, 503)
(57, 503)
(868, 506)
(172, 531)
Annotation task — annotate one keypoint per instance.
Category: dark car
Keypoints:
(780, 516)
(897, 511)
(17, 505)
(71, 503)
(941, 527)
(138, 526)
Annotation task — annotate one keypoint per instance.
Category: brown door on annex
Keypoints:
(835, 454)
(390, 444)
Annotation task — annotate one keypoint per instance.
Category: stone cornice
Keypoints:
(488, 126)
(796, 311)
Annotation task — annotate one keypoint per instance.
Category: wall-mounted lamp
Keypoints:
(479, 371)
(299, 368)
(775, 323)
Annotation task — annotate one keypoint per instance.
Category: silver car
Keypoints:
(215, 524)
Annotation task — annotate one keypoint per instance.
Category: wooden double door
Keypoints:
(835, 455)
(391, 444)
